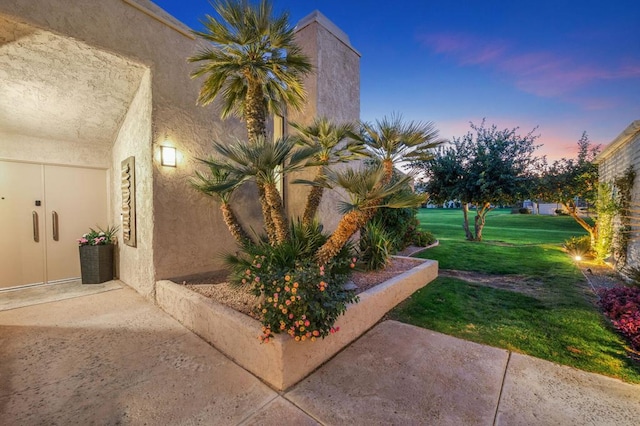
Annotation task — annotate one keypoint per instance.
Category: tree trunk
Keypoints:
(269, 226)
(233, 224)
(348, 225)
(480, 220)
(277, 212)
(254, 111)
(465, 224)
(388, 171)
(313, 202)
(592, 230)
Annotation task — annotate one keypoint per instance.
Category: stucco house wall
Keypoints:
(333, 91)
(109, 80)
(180, 231)
(622, 152)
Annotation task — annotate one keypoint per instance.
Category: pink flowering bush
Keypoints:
(98, 238)
(298, 297)
(622, 306)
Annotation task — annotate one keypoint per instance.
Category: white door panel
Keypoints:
(79, 198)
(21, 224)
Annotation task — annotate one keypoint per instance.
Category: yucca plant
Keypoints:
(221, 184)
(375, 246)
(251, 61)
(335, 144)
(263, 162)
(366, 191)
(391, 140)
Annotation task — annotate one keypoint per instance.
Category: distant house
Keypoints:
(624, 152)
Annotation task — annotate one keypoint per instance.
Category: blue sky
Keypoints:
(566, 66)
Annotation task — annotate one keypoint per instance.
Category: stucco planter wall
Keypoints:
(283, 362)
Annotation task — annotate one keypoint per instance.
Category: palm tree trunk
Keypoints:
(231, 220)
(388, 171)
(254, 111)
(277, 212)
(269, 226)
(313, 202)
(348, 225)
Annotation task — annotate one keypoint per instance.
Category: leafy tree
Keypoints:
(487, 166)
(566, 181)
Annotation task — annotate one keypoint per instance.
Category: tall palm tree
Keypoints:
(366, 188)
(336, 144)
(252, 63)
(392, 140)
(263, 162)
(220, 184)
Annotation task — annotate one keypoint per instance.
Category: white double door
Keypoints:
(44, 209)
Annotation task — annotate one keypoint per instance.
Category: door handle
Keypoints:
(36, 226)
(54, 219)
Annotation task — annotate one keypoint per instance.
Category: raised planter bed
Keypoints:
(283, 362)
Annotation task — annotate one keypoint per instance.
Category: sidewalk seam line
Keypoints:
(504, 378)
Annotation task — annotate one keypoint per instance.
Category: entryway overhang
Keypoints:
(54, 88)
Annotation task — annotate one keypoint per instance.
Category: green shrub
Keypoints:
(375, 246)
(424, 238)
(524, 210)
(299, 297)
(400, 224)
(578, 246)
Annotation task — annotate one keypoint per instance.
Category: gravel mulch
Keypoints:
(241, 299)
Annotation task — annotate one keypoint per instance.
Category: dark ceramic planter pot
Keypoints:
(96, 263)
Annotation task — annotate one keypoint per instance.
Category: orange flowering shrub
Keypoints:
(298, 297)
(303, 301)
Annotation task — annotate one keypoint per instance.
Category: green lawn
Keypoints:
(552, 315)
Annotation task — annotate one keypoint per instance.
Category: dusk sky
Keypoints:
(564, 66)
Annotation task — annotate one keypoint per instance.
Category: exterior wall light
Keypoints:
(168, 156)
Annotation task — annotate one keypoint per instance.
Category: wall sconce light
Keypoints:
(168, 156)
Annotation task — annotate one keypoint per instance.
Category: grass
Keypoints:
(559, 321)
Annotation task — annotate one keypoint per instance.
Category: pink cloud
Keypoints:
(466, 49)
(541, 73)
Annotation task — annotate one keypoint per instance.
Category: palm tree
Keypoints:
(366, 189)
(335, 144)
(221, 184)
(391, 140)
(253, 63)
(263, 162)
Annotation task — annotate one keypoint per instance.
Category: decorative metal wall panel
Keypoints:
(129, 202)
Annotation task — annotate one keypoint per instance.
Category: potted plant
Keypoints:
(96, 255)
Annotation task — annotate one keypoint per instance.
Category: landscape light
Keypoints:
(168, 156)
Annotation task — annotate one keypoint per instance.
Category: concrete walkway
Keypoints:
(113, 358)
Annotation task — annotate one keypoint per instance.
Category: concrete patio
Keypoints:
(108, 356)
